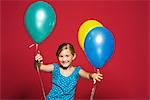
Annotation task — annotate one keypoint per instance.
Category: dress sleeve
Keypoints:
(77, 71)
(56, 66)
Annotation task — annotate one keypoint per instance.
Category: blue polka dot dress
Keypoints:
(63, 87)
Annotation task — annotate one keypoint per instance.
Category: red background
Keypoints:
(126, 73)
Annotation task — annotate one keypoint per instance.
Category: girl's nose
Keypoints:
(64, 58)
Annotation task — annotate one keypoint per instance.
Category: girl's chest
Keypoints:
(64, 82)
(66, 73)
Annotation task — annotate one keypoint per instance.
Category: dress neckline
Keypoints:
(68, 75)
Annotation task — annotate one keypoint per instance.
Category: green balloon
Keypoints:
(40, 20)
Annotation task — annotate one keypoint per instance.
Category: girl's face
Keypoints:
(65, 57)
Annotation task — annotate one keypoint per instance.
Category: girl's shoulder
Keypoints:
(56, 66)
(77, 68)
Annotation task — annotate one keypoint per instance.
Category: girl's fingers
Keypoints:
(38, 57)
(100, 77)
(100, 74)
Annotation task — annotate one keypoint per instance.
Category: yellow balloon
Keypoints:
(85, 28)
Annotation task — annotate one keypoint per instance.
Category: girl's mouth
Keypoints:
(65, 62)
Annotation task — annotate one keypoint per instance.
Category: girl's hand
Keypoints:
(96, 77)
(39, 58)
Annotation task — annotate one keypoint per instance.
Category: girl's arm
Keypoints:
(94, 76)
(46, 68)
(43, 67)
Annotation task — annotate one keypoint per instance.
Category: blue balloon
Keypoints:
(99, 46)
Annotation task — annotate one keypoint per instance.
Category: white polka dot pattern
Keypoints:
(63, 88)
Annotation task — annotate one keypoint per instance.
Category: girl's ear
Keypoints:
(74, 56)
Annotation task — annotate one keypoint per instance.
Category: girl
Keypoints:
(64, 74)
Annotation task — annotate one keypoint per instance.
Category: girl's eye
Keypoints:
(60, 56)
(67, 55)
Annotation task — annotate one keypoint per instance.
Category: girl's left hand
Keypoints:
(96, 77)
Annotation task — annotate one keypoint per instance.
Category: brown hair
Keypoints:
(65, 46)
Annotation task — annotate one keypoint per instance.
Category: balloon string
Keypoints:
(38, 71)
(94, 88)
(41, 82)
(93, 91)
(43, 91)
(31, 45)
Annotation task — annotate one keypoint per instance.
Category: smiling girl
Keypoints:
(64, 74)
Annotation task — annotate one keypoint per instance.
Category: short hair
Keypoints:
(65, 46)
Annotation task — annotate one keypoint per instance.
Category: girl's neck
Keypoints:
(65, 68)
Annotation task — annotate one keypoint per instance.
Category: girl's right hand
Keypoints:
(39, 58)
(38, 61)
(38, 64)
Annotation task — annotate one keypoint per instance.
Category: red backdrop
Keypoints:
(126, 73)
